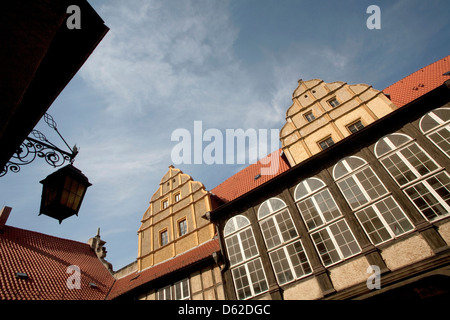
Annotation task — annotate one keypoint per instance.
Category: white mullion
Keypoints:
(383, 221)
(334, 242)
(359, 184)
(249, 279)
(291, 266)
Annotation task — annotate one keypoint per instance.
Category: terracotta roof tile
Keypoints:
(181, 261)
(419, 83)
(247, 179)
(45, 260)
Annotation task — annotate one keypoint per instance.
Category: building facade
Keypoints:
(374, 203)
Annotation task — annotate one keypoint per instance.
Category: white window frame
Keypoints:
(371, 202)
(311, 194)
(327, 227)
(283, 243)
(420, 179)
(442, 124)
(352, 173)
(236, 231)
(383, 220)
(433, 192)
(397, 150)
(325, 224)
(183, 283)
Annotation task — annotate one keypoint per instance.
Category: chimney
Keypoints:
(4, 214)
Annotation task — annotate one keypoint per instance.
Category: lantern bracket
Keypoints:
(39, 146)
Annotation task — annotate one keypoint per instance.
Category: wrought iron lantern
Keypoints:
(63, 192)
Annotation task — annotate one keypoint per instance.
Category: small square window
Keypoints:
(164, 203)
(333, 102)
(309, 116)
(356, 126)
(163, 237)
(324, 144)
(182, 227)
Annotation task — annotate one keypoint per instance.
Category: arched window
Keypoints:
(283, 242)
(246, 267)
(436, 127)
(330, 233)
(403, 158)
(376, 210)
(425, 183)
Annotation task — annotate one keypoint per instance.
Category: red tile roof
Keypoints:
(244, 181)
(186, 259)
(419, 83)
(401, 93)
(45, 260)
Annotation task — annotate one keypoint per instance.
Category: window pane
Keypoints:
(394, 216)
(327, 205)
(234, 251)
(441, 184)
(442, 139)
(418, 159)
(248, 243)
(241, 282)
(270, 233)
(352, 192)
(398, 169)
(344, 238)
(286, 225)
(425, 201)
(299, 259)
(281, 266)
(257, 276)
(325, 246)
(371, 184)
(373, 225)
(309, 213)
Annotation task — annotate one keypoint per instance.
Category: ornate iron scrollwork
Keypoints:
(39, 147)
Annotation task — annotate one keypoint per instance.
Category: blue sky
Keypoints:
(230, 64)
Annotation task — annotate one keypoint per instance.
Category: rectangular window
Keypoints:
(182, 227)
(290, 262)
(163, 237)
(181, 290)
(324, 144)
(356, 126)
(177, 197)
(249, 279)
(384, 220)
(164, 203)
(309, 116)
(176, 291)
(335, 242)
(164, 293)
(333, 102)
(442, 139)
(432, 196)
